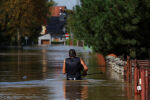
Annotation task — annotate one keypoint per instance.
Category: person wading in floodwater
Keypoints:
(73, 66)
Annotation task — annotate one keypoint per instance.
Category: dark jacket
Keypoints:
(73, 68)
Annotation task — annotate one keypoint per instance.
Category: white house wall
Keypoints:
(44, 37)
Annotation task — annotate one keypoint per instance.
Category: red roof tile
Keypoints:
(55, 10)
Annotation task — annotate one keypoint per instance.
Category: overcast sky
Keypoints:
(68, 3)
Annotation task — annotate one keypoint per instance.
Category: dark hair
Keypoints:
(72, 53)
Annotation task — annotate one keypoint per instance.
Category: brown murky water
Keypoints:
(36, 74)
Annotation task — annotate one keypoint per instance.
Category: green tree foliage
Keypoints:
(19, 18)
(113, 26)
(69, 20)
(50, 4)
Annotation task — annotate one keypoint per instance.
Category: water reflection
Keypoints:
(36, 74)
(24, 93)
(17, 65)
(129, 90)
(75, 90)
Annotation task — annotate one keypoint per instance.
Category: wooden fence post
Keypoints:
(146, 83)
(142, 84)
(135, 78)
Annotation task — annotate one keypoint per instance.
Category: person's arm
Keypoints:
(84, 66)
(64, 67)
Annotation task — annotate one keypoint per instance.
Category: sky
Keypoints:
(68, 3)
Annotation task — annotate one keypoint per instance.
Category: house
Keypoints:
(54, 28)
(57, 10)
(44, 39)
(56, 23)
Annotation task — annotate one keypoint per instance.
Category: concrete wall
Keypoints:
(116, 64)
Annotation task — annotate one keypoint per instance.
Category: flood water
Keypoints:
(35, 73)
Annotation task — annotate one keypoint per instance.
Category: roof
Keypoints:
(56, 10)
(55, 25)
(46, 36)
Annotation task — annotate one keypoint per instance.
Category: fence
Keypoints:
(140, 70)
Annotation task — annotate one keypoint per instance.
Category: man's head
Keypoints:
(72, 53)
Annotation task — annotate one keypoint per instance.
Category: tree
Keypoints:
(22, 17)
(113, 26)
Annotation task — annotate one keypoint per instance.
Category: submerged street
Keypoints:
(35, 73)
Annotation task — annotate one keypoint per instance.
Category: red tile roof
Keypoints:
(55, 10)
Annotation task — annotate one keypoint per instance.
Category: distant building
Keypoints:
(44, 39)
(54, 28)
(56, 11)
(56, 23)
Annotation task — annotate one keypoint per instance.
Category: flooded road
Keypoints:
(35, 73)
